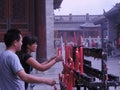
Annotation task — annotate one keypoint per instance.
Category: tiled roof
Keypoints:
(80, 20)
(115, 10)
(73, 18)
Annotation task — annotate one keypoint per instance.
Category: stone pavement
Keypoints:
(113, 68)
(52, 73)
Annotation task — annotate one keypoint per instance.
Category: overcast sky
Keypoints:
(81, 7)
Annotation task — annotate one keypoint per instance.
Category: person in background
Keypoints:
(28, 62)
(12, 74)
(109, 48)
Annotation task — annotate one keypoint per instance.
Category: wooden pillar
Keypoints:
(40, 28)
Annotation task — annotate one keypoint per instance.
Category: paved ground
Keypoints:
(113, 68)
(53, 73)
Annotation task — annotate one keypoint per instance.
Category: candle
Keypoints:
(70, 51)
(80, 40)
(71, 63)
(77, 60)
(71, 80)
(66, 53)
(60, 77)
(75, 39)
(60, 51)
(67, 81)
(81, 60)
(55, 88)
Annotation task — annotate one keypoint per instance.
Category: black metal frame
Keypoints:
(87, 80)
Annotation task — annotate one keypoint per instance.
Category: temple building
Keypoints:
(113, 17)
(110, 24)
(34, 17)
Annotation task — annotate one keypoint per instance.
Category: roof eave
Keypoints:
(57, 3)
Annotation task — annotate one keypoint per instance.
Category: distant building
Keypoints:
(83, 25)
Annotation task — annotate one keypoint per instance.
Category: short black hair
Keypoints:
(11, 35)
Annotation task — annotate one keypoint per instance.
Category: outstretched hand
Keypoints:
(59, 58)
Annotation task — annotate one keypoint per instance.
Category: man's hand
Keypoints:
(51, 82)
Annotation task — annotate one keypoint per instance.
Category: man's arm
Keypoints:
(34, 79)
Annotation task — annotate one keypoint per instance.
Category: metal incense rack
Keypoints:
(78, 72)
